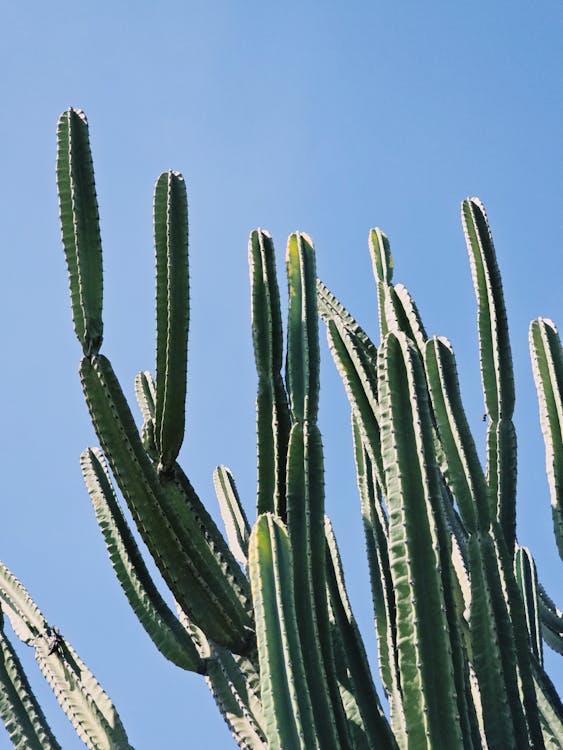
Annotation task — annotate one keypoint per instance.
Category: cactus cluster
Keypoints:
(263, 614)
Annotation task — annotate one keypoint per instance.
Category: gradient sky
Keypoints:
(326, 117)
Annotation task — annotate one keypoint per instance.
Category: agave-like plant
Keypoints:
(263, 614)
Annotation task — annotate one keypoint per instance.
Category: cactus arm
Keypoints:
(550, 707)
(356, 728)
(25, 617)
(194, 516)
(80, 227)
(496, 365)
(553, 638)
(172, 313)
(494, 343)
(176, 552)
(234, 682)
(486, 654)
(272, 411)
(232, 512)
(382, 263)
(414, 327)
(551, 621)
(331, 309)
(547, 365)
(304, 503)
(19, 710)
(501, 474)
(517, 639)
(285, 693)
(497, 566)
(163, 627)
(360, 388)
(145, 391)
(375, 531)
(302, 331)
(82, 699)
(463, 469)
(230, 691)
(305, 495)
(378, 732)
(527, 579)
(413, 498)
(87, 706)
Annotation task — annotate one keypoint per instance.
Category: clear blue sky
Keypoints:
(326, 117)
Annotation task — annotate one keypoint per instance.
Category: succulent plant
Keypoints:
(263, 614)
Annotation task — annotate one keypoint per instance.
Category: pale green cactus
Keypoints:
(80, 696)
(264, 615)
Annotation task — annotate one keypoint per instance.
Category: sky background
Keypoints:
(326, 117)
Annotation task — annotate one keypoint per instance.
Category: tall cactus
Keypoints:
(264, 614)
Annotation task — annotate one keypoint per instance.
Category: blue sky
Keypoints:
(326, 117)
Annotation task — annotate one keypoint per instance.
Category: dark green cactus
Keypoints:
(264, 615)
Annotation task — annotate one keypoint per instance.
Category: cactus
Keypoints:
(263, 614)
(80, 696)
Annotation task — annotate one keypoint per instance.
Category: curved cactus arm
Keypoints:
(330, 308)
(360, 388)
(232, 512)
(285, 693)
(462, 467)
(550, 708)
(172, 313)
(547, 365)
(496, 365)
(272, 411)
(80, 696)
(378, 732)
(19, 710)
(242, 713)
(414, 501)
(527, 579)
(80, 227)
(382, 263)
(183, 555)
(163, 627)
